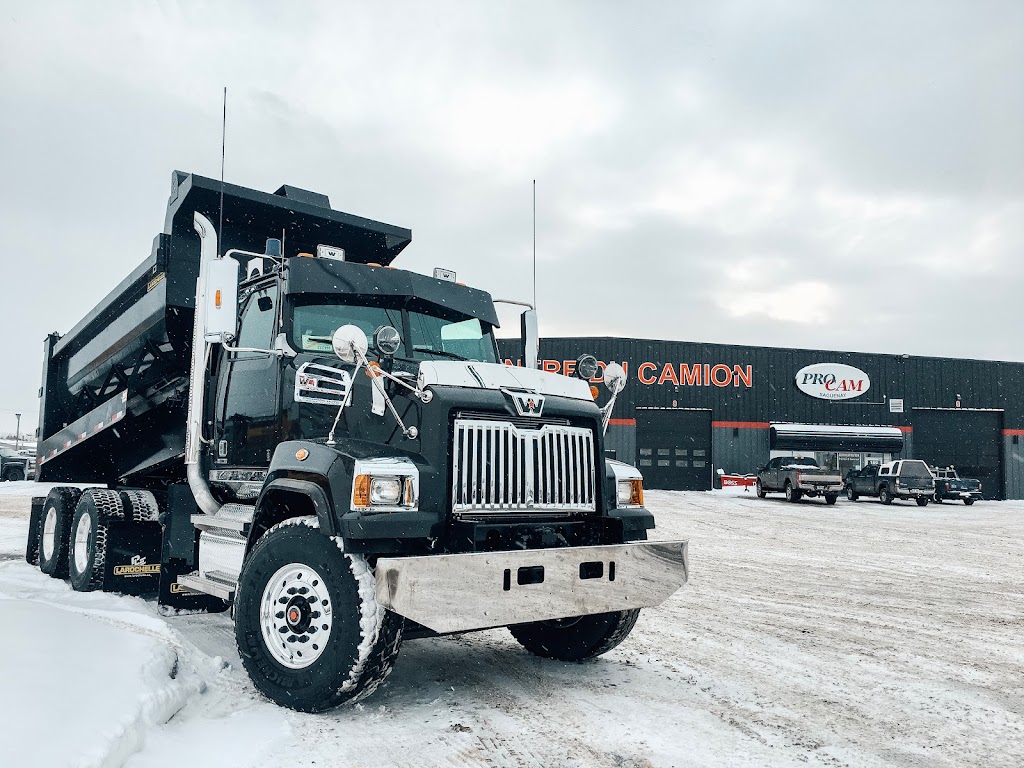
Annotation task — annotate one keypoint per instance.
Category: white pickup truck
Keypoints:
(798, 477)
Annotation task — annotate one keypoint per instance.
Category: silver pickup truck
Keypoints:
(798, 477)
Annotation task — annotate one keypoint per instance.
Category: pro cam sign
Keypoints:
(832, 381)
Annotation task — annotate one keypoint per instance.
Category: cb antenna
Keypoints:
(535, 244)
(223, 146)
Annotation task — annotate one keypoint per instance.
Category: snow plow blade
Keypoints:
(480, 590)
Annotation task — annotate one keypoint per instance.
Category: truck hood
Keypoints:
(498, 376)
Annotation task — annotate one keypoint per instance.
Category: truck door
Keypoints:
(248, 424)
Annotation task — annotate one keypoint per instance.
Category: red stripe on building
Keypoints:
(1013, 432)
(904, 428)
(740, 424)
(622, 422)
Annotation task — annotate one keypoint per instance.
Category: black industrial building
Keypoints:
(691, 409)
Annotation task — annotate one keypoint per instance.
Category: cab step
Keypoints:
(214, 583)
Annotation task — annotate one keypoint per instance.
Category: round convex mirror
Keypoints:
(614, 378)
(349, 343)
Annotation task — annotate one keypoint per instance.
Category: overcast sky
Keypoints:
(835, 175)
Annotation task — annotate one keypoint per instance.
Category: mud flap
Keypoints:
(133, 559)
(35, 521)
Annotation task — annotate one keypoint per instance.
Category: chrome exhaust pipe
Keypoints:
(197, 374)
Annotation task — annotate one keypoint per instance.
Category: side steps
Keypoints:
(222, 541)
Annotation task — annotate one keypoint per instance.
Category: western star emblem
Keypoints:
(526, 403)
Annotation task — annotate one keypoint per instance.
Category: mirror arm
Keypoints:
(270, 352)
(375, 374)
(606, 413)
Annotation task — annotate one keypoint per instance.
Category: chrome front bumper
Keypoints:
(480, 590)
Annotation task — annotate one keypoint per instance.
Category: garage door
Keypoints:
(674, 448)
(968, 440)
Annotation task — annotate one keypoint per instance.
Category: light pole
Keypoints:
(17, 432)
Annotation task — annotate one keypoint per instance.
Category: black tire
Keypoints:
(884, 496)
(87, 553)
(969, 500)
(337, 674)
(53, 543)
(761, 492)
(831, 498)
(14, 474)
(575, 639)
(851, 494)
(792, 494)
(922, 501)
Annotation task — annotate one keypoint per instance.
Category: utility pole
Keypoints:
(17, 433)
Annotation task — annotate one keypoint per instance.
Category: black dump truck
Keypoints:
(276, 420)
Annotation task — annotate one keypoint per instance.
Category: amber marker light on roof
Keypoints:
(302, 454)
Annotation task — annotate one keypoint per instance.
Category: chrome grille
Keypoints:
(499, 467)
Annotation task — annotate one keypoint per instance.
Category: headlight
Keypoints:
(630, 493)
(370, 493)
(385, 485)
(385, 490)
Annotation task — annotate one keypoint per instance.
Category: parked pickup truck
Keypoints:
(797, 478)
(906, 479)
(949, 485)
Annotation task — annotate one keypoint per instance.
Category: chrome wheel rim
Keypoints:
(82, 531)
(296, 616)
(49, 532)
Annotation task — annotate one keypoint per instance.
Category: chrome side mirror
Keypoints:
(614, 378)
(531, 338)
(349, 343)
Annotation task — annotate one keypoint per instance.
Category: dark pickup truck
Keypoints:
(905, 479)
(13, 466)
(949, 485)
(797, 477)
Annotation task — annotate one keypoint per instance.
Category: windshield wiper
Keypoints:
(439, 353)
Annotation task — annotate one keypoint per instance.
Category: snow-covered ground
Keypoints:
(856, 635)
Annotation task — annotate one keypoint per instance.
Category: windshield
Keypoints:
(424, 336)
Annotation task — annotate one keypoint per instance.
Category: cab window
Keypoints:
(257, 329)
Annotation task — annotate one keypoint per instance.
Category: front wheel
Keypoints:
(309, 629)
(761, 492)
(922, 501)
(850, 493)
(578, 638)
(830, 498)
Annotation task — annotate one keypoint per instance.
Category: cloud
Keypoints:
(771, 173)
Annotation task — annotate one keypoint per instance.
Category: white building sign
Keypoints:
(832, 381)
(896, 406)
